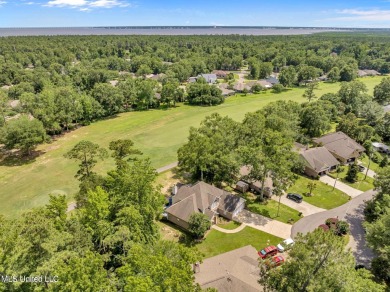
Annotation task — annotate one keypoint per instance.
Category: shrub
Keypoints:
(277, 88)
(342, 227)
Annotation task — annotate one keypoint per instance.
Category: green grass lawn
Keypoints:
(324, 195)
(229, 225)
(373, 166)
(270, 209)
(158, 133)
(363, 184)
(217, 242)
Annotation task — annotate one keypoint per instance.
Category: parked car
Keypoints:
(361, 168)
(275, 261)
(268, 251)
(285, 245)
(295, 197)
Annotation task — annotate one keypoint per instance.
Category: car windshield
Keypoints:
(263, 252)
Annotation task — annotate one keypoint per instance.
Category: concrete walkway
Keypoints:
(353, 213)
(220, 229)
(305, 208)
(265, 224)
(353, 193)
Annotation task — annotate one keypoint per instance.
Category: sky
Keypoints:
(75, 13)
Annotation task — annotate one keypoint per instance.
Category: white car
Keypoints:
(286, 244)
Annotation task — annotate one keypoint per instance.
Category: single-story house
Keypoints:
(366, 72)
(342, 147)
(361, 73)
(380, 147)
(318, 161)
(272, 79)
(236, 270)
(202, 198)
(240, 87)
(220, 73)
(227, 92)
(210, 78)
(245, 184)
(264, 83)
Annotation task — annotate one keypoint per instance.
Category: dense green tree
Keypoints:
(312, 265)
(23, 134)
(348, 73)
(200, 93)
(161, 267)
(382, 91)
(122, 149)
(288, 76)
(209, 153)
(309, 91)
(199, 223)
(315, 119)
(265, 70)
(87, 153)
(109, 97)
(306, 73)
(334, 74)
(383, 127)
(352, 174)
(267, 152)
(3, 107)
(353, 95)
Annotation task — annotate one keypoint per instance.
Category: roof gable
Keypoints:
(319, 158)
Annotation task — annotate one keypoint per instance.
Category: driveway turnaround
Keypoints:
(352, 212)
(353, 193)
(265, 224)
(305, 208)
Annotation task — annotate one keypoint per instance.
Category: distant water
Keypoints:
(162, 31)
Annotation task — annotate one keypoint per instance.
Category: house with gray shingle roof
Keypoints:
(318, 161)
(202, 198)
(236, 270)
(342, 147)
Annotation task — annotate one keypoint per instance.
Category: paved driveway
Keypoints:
(352, 212)
(353, 193)
(305, 208)
(265, 224)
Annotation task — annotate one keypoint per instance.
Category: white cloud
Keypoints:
(363, 15)
(84, 5)
(3, 2)
(64, 3)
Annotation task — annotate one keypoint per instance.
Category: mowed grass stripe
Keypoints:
(158, 133)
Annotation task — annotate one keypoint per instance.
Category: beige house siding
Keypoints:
(178, 221)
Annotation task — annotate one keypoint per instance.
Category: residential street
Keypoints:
(305, 208)
(353, 193)
(265, 224)
(352, 212)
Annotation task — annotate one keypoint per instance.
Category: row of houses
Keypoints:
(331, 150)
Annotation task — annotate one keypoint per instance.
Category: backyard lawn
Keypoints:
(217, 242)
(229, 225)
(269, 209)
(373, 166)
(323, 195)
(363, 184)
(157, 133)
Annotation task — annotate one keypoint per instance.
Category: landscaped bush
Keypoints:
(342, 227)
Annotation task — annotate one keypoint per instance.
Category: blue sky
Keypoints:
(57, 13)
